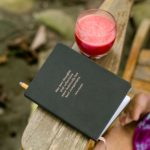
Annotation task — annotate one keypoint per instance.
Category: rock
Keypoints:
(58, 21)
(17, 6)
(141, 11)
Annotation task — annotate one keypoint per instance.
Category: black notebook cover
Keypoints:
(77, 90)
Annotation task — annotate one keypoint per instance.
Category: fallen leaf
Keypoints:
(3, 59)
(40, 38)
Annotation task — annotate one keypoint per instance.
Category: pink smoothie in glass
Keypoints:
(95, 34)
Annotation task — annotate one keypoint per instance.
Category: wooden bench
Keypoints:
(137, 69)
(46, 132)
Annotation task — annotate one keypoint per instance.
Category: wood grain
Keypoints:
(139, 39)
(44, 131)
(144, 58)
(142, 73)
(140, 85)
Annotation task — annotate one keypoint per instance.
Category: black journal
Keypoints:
(78, 91)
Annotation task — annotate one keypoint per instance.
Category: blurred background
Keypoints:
(29, 29)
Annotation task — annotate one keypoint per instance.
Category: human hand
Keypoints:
(139, 106)
(117, 138)
(100, 146)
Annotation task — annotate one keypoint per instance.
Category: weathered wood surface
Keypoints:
(141, 85)
(44, 131)
(138, 42)
(142, 73)
(144, 58)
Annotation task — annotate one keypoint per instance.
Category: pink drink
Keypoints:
(95, 33)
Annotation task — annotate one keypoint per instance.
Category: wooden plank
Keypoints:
(140, 85)
(135, 49)
(44, 131)
(142, 73)
(144, 58)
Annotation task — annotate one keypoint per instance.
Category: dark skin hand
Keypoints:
(120, 136)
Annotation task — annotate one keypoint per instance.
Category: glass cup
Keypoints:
(95, 32)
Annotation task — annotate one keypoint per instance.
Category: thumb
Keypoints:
(135, 115)
(132, 116)
(126, 119)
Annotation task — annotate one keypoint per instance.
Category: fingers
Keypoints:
(139, 105)
(125, 119)
(132, 115)
(100, 146)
